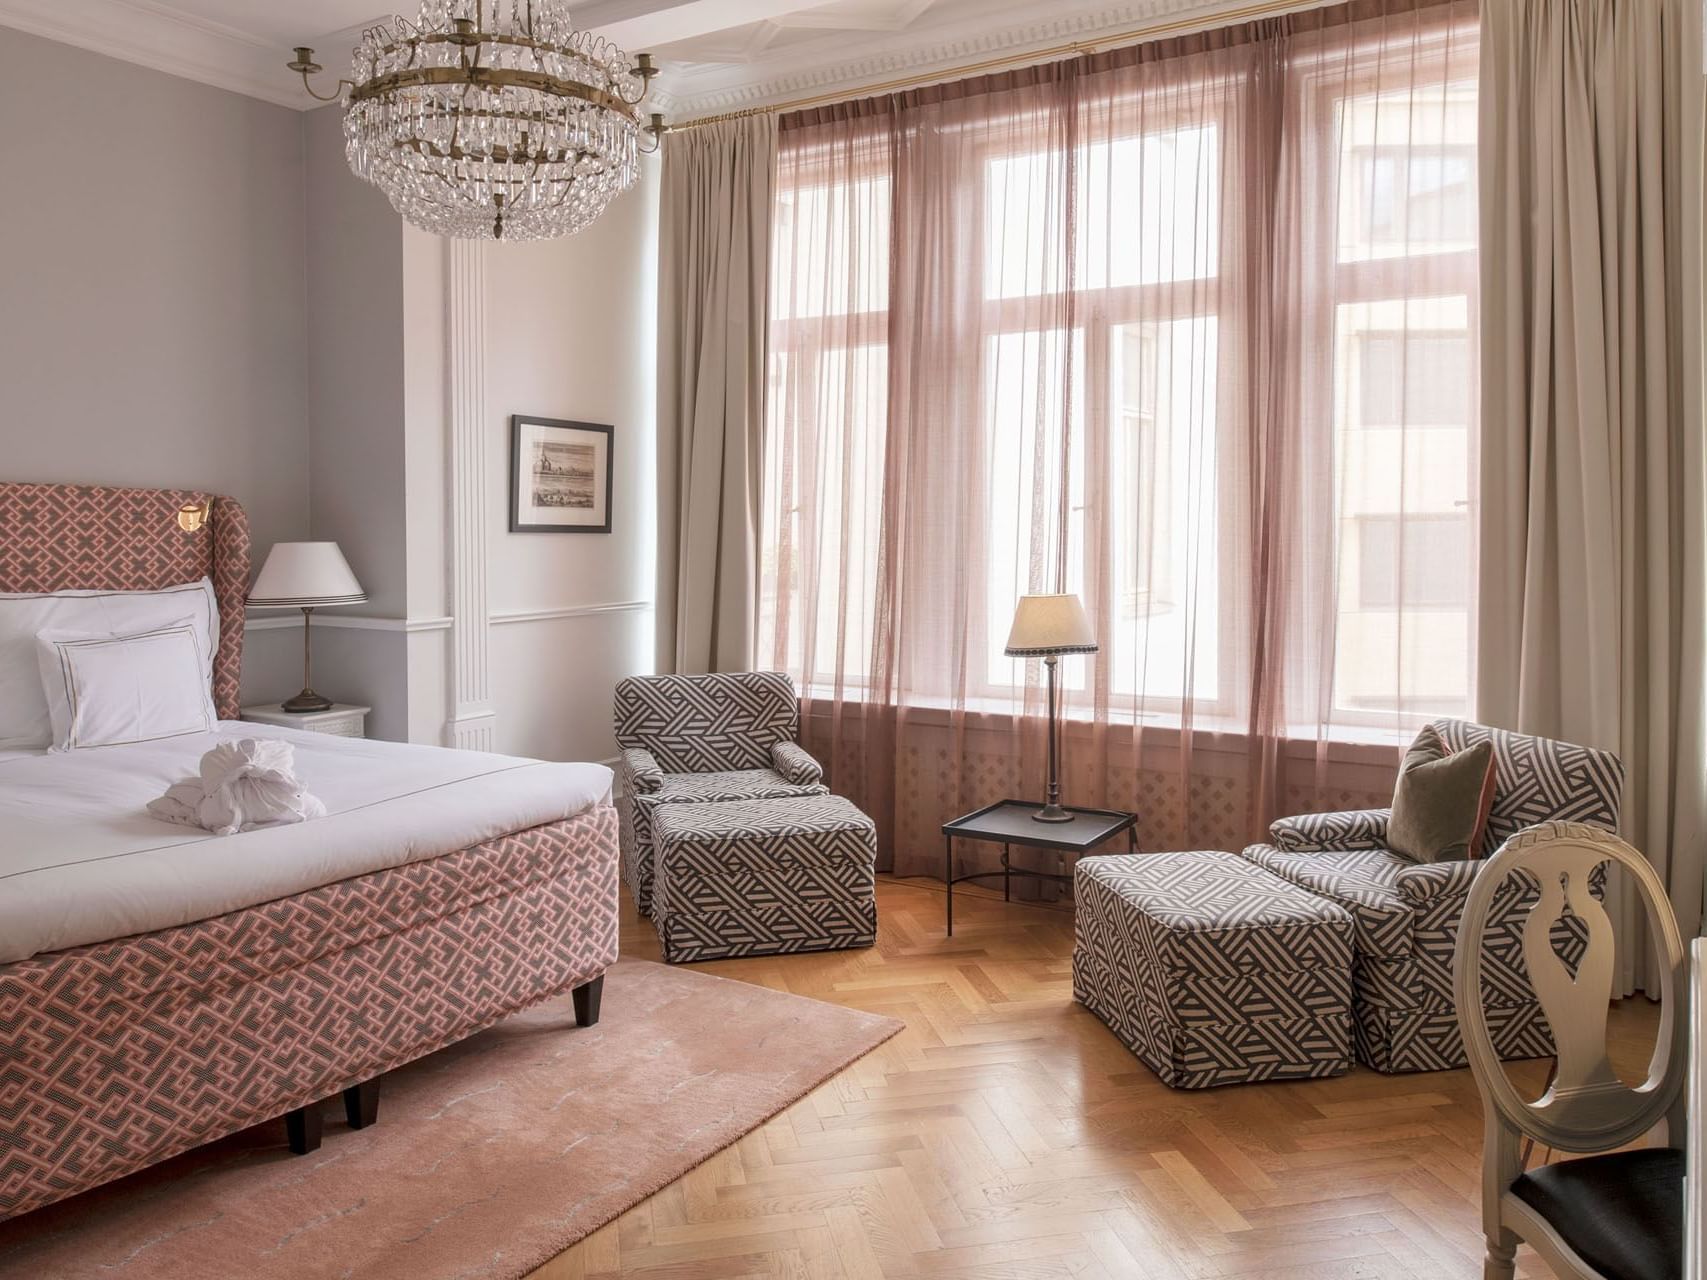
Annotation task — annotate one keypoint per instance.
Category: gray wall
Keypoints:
(354, 267)
(355, 367)
(196, 291)
(152, 291)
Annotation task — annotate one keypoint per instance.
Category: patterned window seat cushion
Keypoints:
(1211, 970)
(1364, 881)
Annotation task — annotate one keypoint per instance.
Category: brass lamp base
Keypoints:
(307, 700)
(1052, 810)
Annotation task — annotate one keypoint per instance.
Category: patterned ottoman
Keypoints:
(1212, 970)
(763, 877)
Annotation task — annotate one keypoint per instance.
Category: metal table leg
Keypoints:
(948, 878)
(1007, 876)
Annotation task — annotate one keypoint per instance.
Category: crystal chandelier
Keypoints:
(493, 119)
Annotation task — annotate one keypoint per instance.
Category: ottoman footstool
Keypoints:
(763, 877)
(1211, 974)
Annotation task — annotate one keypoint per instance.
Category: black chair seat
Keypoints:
(1622, 1213)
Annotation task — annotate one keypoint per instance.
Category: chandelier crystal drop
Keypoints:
(494, 119)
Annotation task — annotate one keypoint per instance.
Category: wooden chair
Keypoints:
(1609, 1215)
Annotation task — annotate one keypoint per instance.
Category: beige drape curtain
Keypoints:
(713, 306)
(1185, 329)
(1593, 566)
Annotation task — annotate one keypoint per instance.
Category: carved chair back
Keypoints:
(1587, 1107)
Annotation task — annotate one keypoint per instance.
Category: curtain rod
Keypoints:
(1096, 44)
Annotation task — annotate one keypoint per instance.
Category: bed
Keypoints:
(161, 987)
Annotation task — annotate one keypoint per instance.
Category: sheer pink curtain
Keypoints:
(1186, 329)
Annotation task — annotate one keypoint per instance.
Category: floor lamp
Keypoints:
(1047, 627)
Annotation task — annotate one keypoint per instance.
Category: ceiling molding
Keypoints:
(153, 34)
(830, 64)
(164, 39)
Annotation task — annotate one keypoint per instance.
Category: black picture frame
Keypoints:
(524, 481)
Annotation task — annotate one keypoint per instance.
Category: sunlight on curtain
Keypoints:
(1186, 329)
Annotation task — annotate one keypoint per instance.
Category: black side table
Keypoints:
(1009, 822)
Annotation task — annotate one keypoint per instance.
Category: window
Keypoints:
(1405, 400)
(1035, 451)
(1148, 204)
(1412, 562)
(1144, 371)
(1096, 388)
(1417, 378)
(1166, 510)
(828, 381)
(1405, 199)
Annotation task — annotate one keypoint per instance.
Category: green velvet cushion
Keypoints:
(1440, 805)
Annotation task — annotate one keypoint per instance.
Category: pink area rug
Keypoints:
(489, 1157)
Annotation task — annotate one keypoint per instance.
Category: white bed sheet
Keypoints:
(81, 860)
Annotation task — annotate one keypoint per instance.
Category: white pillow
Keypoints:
(24, 722)
(103, 690)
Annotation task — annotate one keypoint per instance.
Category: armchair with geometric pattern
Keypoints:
(695, 739)
(1407, 914)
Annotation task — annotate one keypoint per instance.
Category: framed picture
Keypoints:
(560, 476)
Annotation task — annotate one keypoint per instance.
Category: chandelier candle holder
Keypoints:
(493, 119)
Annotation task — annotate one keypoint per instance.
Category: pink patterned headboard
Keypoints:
(64, 537)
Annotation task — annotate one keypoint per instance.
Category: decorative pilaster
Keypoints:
(472, 715)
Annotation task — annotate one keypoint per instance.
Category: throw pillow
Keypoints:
(1441, 801)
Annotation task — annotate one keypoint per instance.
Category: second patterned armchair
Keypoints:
(1407, 914)
(688, 739)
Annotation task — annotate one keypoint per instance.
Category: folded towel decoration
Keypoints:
(244, 784)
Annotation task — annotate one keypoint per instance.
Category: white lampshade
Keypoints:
(305, 575)
(1050, 624)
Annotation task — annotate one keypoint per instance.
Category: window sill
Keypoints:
(1343, 744)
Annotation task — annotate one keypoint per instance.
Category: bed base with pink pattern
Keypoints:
(120, 1054)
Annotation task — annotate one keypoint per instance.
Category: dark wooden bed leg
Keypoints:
(361, 1103)
(587, 1001)
(302, 1127)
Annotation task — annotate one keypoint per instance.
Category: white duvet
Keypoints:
(82, 861)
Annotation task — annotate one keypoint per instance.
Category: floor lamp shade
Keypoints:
(1046, 627)
(306, 576)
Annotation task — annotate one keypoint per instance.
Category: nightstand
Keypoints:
(344, 720)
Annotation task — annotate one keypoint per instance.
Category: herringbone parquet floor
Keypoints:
(1006, 1135)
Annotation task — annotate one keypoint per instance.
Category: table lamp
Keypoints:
(1046, 627)
(306, 576)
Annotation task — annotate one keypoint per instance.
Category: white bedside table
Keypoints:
(344, 720)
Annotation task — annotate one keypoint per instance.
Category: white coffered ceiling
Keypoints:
(717, 55)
